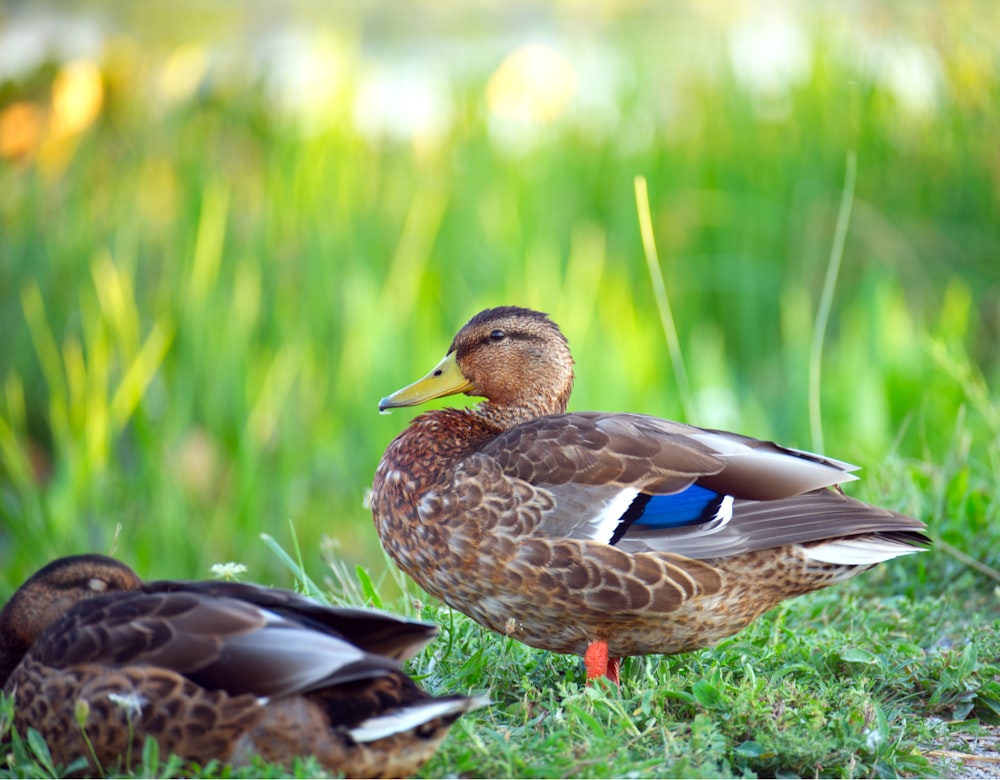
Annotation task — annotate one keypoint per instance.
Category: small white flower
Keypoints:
(228, 571)
(132, 703)
(873, 738)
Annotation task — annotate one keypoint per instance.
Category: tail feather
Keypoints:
(866, 550)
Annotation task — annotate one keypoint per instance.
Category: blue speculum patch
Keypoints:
(693, 505)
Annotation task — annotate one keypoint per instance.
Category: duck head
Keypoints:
(515, 358)
(49, 594)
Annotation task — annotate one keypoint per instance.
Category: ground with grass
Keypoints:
(223, 239)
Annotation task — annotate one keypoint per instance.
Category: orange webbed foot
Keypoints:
(599, 664)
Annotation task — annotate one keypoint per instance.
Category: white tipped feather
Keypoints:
(591, 512)
(605, 524)
(859, 552)
(413, 715)
(725, 513)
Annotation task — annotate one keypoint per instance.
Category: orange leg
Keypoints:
(614, 665)
(599, 664)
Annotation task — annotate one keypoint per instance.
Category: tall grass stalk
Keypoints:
(826, 301)
(661, 297)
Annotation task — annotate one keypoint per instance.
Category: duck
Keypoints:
(97, 661)
(602, 534)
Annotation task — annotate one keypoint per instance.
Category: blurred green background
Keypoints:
(227, 229)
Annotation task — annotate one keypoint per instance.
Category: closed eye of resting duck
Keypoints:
(601, 534)
(213, 670)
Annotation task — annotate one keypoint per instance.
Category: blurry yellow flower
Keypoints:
(77, 98)
(533, 84)
(972, 76)
(183, 73)
(21, 126)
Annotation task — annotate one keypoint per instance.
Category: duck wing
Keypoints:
(645, 484)
(219, 643)
(372, 630)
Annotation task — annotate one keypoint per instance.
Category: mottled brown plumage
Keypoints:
(213, 670)
(600, 532)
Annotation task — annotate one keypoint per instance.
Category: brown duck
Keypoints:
(602, 534)
(213, 670)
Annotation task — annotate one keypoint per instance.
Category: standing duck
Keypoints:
(600, 534)
(213, 670)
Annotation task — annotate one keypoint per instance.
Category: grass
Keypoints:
(206, 297)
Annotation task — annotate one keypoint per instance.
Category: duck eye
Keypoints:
(97, 585)
(498, 335)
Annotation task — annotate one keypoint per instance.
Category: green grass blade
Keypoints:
(826, 301)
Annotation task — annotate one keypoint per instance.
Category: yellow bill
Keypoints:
(444, 379)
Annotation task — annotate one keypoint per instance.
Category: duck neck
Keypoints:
(508, 415)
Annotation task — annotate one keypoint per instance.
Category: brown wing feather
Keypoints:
(179, 631)
(657, 456)
(372, 630)
(594, 448)
(764, 471)
(217, 642)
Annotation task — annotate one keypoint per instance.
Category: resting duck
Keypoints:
(601, 534)
(213, 670)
